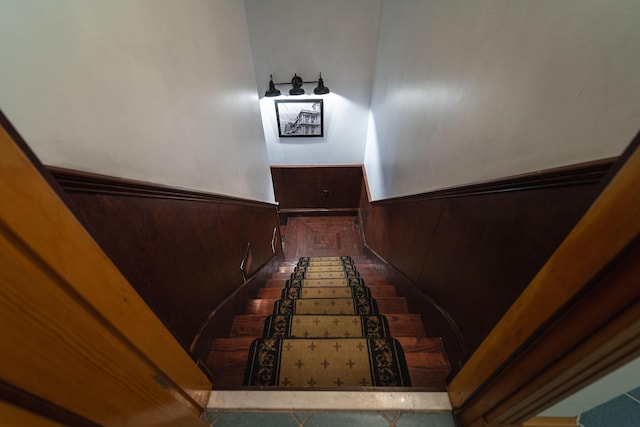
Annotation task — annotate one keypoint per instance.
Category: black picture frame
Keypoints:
(302, 118)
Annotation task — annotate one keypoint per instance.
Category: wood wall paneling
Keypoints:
(473, 251)
(302, 187)
(181, 251)
(487, 248)
(382, 229)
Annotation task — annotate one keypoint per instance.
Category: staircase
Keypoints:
(425, 357)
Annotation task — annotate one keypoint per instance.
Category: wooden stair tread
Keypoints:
(390, 305)
(362, 269)
(368, 281)
(400, 325)
(358, 259)
(376, 292)
(425, 357)
(286, 276)
(426, 361)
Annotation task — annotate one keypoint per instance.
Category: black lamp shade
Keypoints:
(272, 89)
(296, 82)
(321, 89)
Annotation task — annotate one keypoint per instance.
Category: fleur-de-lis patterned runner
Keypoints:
(326, 331)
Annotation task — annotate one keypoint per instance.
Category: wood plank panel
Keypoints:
(71, 323)
(304, 187)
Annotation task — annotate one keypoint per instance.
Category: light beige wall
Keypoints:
(335, 37)
(155, 90)
(471, 90)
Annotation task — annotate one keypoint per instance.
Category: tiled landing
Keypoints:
(623, 411)
(313, 419)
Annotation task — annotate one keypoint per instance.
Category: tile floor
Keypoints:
(337, 419)
(622, 411)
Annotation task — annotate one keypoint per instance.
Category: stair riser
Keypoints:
(376, 292)
(369, 281)
(264, 307)
(406, 325)
(427, 367)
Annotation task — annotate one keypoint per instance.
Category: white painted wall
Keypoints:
(335, 37)
(467, 91)
(156, 90)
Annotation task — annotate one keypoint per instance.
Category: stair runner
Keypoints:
(326, 331)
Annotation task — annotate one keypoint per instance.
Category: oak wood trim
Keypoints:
(354, 165)
(313, 211)
(14, 416)
(36, 405)
(606, 232)
(577, 174)
(43, 239)
(551, 422)
(365, 184)
(75, 181)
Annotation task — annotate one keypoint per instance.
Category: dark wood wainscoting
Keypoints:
(181, 250)
(471, 251)
(309, 189)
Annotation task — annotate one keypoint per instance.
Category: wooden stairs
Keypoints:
(426, 358)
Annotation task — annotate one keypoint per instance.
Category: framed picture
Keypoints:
(300, 118)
